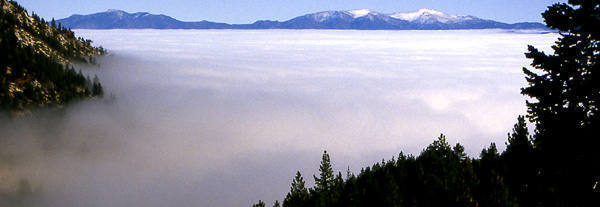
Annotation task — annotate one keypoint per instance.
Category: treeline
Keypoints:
(442, 175)
(559, 165)
(33, 71)
(61, 39)
(76, 48)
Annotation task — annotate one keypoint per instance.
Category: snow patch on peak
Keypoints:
(329, 15)
(141, 14)
(429, 16)
(115, 11)
(359, 12)
(321, 16)
(431, 11)
(119, 13)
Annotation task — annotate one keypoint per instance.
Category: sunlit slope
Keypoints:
(34, 63)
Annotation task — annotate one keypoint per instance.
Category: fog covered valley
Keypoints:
(224, 117)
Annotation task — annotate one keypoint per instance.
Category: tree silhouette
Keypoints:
(97, 87)
(519, 163)
(298, 195)
(325, 180)
(566, 89)
(259, 204)
(492, 188)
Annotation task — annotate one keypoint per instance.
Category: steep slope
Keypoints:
(34, 67)
(365, 19)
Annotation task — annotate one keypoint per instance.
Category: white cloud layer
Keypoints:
(226, 117)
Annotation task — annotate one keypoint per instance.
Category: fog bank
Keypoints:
(226, 117)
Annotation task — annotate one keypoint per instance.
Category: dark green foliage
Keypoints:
(565, 110)
(518, 162)
(324, 183)
(97, 87)
(325, 180)
(446, 173)
(493, 190)
(298, 195)
(259, 204)
(519, 142)
(276, 204)
(30, 78)
(440, 176)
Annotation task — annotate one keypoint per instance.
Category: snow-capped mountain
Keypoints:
(429, 16)
(364, 19)
(353, 19)
(359, 12)
(421, 19)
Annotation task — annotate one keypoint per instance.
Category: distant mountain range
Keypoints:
(363, 19)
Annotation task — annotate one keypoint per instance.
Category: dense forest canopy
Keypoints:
(558, 165)
(35, 65)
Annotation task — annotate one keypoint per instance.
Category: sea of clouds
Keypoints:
(226, 117)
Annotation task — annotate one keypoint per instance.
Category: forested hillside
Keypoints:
(35, 65)
(442, 175)
(558, 165)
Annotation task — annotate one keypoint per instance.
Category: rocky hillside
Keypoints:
(35, 63)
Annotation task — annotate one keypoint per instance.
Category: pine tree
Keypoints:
(97, 89)
(566, 89)
(325, 180)
(276, 204)
(492, 187)
(518, 162)
(519, 141)
(44, 79)
(298, 194)
(437, 170)
(259, 204)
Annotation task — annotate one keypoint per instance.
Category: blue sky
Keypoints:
(236, 11)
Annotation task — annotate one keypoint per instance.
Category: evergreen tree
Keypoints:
(97, 89)
(276, 204)
(518, 162)
(325, 180)
(566, 90)
(493, 190)
(519, 142)
(259, 204)
(324, 183)
(438, 169)
(298, 195)
(43, 80)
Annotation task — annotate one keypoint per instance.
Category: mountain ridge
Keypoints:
(359, 19)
